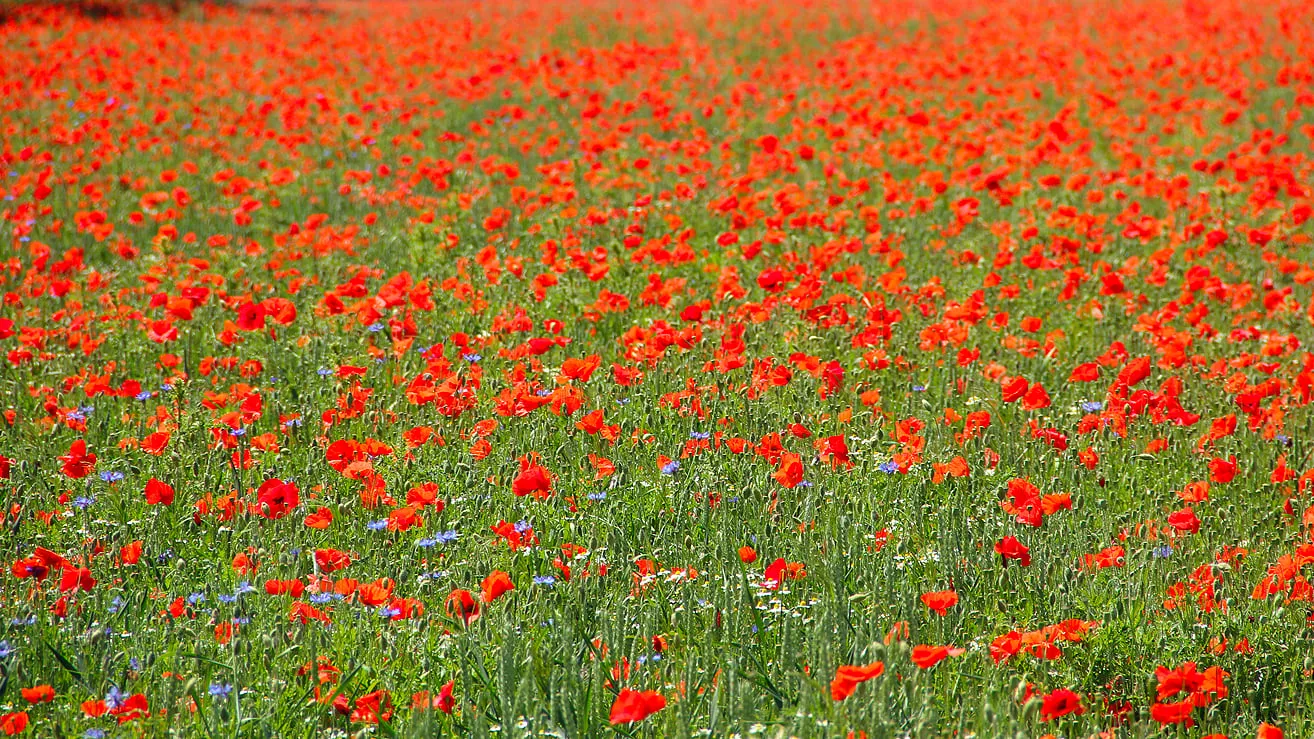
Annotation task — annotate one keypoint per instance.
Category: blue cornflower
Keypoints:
(472, 357)
(699, 435)
(220, 690)
(237, 432)
(226, 598)
(111, 476)
(195, 598)
(378, 525)
(115, 697)
(523, 526)
(670, 467)
(919, 388)
(5, 649)
(374, 328)
(446, 537)
(546, 580)
(143, 396)
(1162, 552)
(1092, 406)
(83, 502)
(245, 587)
(324, 372)
(888, 468)
(94, 734)
(600, 495)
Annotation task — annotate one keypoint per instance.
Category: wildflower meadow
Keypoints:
(703, 368)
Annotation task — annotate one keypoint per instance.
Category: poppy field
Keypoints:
(719, 368)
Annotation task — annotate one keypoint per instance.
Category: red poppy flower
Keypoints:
(1195, 492)
(772, 279)
(446, 702)
(1035, 398)
(848, 677)
(132, 708)
(780, 570)
(926, 657)
(634, 705)
(940, 601)
(158, 493)
(78, 463)
(38, 694)
(1014, 389)
(496, 585)
(403, 519)
(1221, 471)
(251, 317)
(276, 498)
(155, 443)
(162, 332)
(320, 519)
(1059, 703)
(1088, 372)
(533, 479)
(580, 370)
(14, 723)
(76, 578)
(130, 554)
(331, 560)
(1010, 548)
(1184, 520)
(1173, 713)
(790, 472)
(372, 708)
(1005, 646)
(462, 606)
